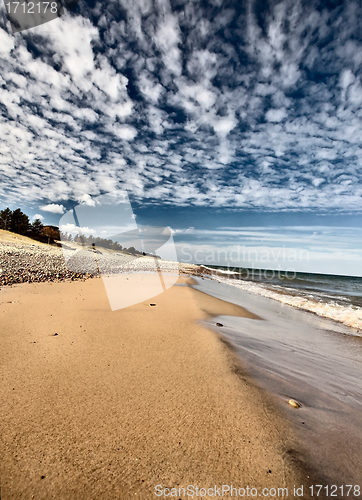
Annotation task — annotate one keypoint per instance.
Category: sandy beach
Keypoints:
(106, 405)
(181, 250)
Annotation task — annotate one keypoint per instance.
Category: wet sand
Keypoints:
(103, 405)
(296, 354)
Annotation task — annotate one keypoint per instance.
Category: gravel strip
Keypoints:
(21, 263)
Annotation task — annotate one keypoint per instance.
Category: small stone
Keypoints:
(294, 403)
(152, 305)
(55, 334)
(219, 324)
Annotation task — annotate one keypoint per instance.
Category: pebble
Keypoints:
(294, 403)
(219, 324)
(21, 263)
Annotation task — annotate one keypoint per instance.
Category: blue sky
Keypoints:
(209, 114)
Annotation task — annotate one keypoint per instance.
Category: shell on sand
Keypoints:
(294, 403)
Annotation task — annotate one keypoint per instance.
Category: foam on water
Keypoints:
(349, 315)
(221, 271)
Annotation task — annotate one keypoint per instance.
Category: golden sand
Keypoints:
(119, 402)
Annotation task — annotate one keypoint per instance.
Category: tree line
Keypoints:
(18, 222)
(97, 241)
(81, 239)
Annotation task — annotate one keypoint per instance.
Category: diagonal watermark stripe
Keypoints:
(103, 238)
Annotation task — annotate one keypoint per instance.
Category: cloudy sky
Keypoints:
(209, 114)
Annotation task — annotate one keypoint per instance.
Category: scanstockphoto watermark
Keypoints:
(298, 491)
(193, 491)
(243, 254)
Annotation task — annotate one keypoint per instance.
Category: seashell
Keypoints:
(294, 403)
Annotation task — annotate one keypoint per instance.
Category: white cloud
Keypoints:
(54, 208)
(167, 39)
(328, 154)
(125, 132)
(38, 216)
(73, 229)
(151, 89)
(6, 43)
(71, 38)
(223, 126)
(276, 115)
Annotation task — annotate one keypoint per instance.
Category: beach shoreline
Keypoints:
(102, 404)
(293, 354)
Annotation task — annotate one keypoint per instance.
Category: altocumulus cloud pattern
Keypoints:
(237, 103)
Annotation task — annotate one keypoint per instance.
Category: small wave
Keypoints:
(218, 271)
(347, 314)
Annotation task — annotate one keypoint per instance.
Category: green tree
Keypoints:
(5, 219)
(19, 222)
(37, 226)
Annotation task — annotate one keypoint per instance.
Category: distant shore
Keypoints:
(23, 260)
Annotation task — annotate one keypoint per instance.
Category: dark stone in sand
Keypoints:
(152, 304)
(219, 324)
(55, 334)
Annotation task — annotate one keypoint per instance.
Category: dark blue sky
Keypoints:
(193, 108)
